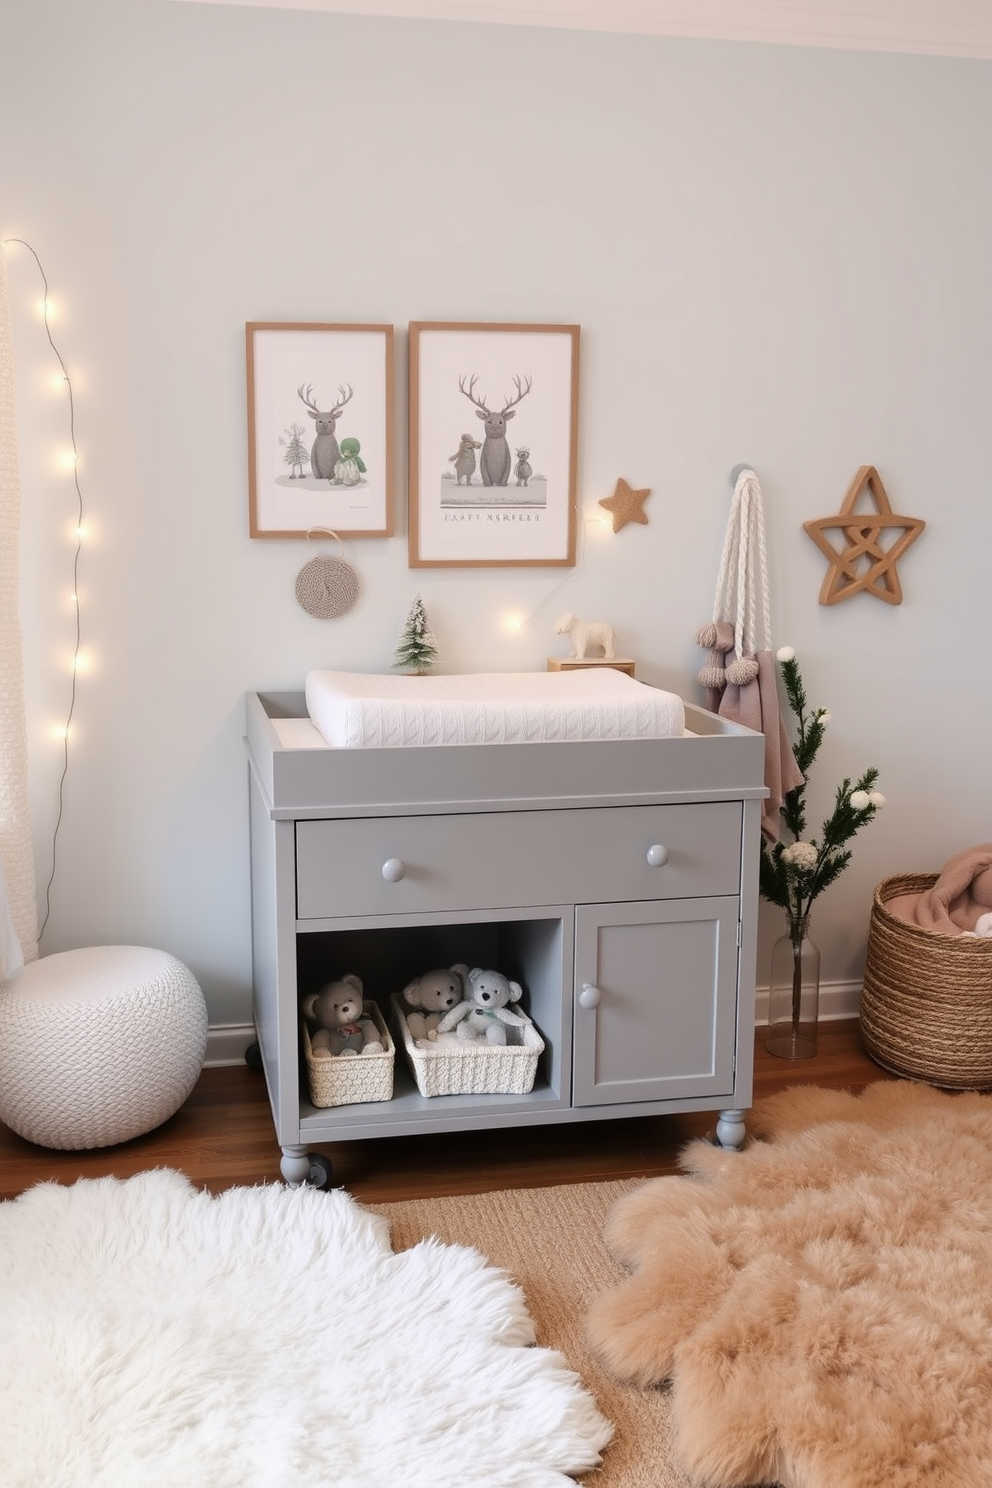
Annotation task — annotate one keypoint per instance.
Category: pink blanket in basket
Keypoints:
(960, 902)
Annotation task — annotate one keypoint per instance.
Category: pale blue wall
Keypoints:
(776, 255)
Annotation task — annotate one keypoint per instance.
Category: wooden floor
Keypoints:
(224, 1136)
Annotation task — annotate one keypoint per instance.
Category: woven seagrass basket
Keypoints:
(926, 1005)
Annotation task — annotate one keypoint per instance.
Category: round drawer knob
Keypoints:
(657, 855)
(393, 869)
(590, 996)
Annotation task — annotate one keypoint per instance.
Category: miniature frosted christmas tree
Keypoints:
(417, 649)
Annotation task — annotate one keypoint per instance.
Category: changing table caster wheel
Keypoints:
(253, 1057)
(321, 1171)
(299, 1167)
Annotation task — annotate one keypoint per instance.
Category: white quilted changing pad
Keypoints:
(357, 710)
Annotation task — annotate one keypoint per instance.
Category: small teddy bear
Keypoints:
(343, 1027)
(484, 1015)
(427, 998)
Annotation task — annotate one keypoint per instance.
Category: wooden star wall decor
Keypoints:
(860, 563)
(627, 505)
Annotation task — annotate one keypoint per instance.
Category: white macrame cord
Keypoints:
(743, 576)
(735, 598)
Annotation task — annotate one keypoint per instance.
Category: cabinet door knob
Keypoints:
(657, 855)
(393, 869)
(590, 996)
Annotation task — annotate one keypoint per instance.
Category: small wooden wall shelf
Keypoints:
(578, 663)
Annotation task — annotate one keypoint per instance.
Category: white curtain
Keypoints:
(18, 907)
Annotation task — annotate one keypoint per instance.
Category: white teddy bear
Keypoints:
(485, 1016)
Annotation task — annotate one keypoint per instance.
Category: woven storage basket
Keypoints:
(472, 1069)
(926, 1006)
(347, 1080)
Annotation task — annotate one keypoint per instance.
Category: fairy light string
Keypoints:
(64, 732)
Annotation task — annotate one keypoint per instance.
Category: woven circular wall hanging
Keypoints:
(327, 587)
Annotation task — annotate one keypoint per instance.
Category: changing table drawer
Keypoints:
(418, 864)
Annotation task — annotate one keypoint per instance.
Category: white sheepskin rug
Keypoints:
(153, 1336)
(821, 1302)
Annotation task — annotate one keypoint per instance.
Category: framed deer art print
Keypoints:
(493, 444)
(320, 427)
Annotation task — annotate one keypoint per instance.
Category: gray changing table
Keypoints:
(617, 881)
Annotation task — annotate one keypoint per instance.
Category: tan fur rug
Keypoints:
(822, 1301)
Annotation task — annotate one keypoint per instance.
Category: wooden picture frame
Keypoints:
(311, 385)
(484, 493)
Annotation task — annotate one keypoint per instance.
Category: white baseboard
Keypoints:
(227, 1042)
(837, 1000)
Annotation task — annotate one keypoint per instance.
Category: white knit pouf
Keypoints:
(98, 1045)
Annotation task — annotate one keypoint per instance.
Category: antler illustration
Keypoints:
(521, 393)
(470, 391)
(311, 407)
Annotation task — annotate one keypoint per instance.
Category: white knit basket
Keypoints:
(477, 1068)
(98, 1045)
(349, 1080)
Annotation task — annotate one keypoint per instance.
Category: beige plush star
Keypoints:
(627, 505)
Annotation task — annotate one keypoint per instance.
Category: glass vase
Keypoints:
(794, 993)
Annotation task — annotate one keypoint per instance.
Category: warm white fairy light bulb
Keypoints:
(512, 623)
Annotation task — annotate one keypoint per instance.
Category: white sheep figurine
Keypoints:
(592, 633)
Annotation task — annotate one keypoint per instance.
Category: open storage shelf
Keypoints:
(527, 946)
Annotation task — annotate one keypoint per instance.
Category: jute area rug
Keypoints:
(550, 1241)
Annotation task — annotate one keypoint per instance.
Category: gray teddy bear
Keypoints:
(484, 1016)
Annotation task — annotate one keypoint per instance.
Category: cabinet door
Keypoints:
(655, 1001)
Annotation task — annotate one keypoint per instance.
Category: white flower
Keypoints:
(800, 855)
(877, 799)
(785, 653)
(860, 800)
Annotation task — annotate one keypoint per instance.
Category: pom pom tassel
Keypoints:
(712, 676)
(718, 638)
(742, 670)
